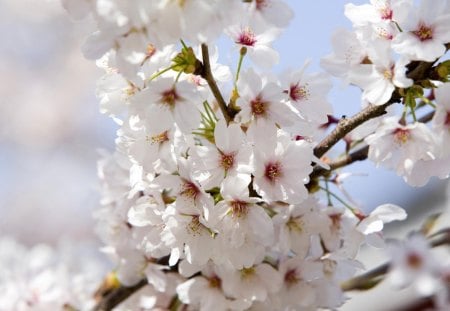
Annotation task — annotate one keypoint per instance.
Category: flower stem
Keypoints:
(157, 74)
(242, 53)
(353, 210)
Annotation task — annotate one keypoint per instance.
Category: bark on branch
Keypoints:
(208, 76)
(358, 155)
(118, 295)
(417, 71)
(374, 276)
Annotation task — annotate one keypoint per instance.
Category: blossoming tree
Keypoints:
(218, 195)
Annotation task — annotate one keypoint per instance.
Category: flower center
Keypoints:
(299, 92)
(239, 208)
(261, 4)
(169, 97)
(258, 107)
(247, 272)
(383, 33)
(424, 32)
(159, 138)
(336, 220)
(226, 160)
(246, 37)
(386, 13)
(130, 90)
(273, 171)
(291, 277)
(215, 282)
(195, 225)
(387, 74)
(190, 190)
(401, 136)
(295, 224)
(414, 261)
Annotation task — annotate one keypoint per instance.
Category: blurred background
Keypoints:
(51, 130)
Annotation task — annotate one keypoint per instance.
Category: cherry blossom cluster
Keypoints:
(389, 38)
(414, 263)
(240, 253)
(208, 195)
(135, 31)
(45, 278)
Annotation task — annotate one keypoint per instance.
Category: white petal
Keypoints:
(382, 214)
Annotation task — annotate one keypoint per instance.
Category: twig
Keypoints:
(346, 125)
(364, 281)
(118, 295)
(208, 76)
(358, 155)
(417, 71)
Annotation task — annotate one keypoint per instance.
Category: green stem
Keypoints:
(413, 113)
(178, 76)
(183, 44)
(157, 74)
(339, 199)
(242, 53)
(428, 102)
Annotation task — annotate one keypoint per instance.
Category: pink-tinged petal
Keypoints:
(361, 14)
(236, 187)
(96, 45)
(186, 116)
(382, 214)
(228, 139)
(379, 92)
(261, 224)
(264, 56)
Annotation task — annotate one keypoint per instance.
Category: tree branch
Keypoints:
(346, 125)
(358, 155)
(118, 295)
(416, 70)
(111, 298)
(373, 277)
(208, 76)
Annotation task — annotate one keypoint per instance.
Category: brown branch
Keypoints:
(358, 155)
(374, 276)
(346, 125)
(118, 295)
(113, 297)
(208, 76)
(417, 70)
(421, 304)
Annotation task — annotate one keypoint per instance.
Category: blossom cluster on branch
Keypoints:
(217, 196)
